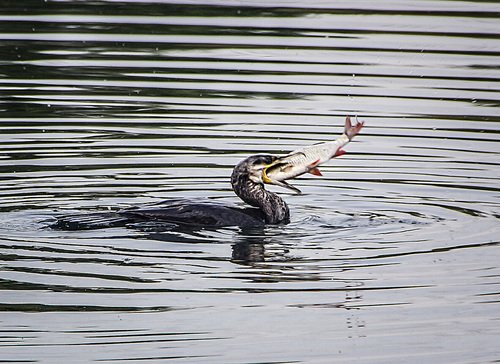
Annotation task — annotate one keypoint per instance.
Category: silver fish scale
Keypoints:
(322, 152)
(299, 161)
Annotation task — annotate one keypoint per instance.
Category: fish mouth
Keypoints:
(266, 179)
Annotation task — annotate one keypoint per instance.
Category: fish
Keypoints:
(307, 159)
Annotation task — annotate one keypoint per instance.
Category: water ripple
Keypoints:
(110, 105)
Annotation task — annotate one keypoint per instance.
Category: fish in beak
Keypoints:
(307, 160)
(282, 183)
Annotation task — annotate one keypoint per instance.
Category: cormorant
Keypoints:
(247, 183)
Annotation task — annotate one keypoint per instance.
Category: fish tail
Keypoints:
(352, 131)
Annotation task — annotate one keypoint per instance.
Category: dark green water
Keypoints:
(391, 257)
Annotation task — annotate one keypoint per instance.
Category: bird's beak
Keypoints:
(266, 179)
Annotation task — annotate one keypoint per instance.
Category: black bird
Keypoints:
(247, 183)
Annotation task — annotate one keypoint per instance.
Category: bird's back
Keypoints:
(173, 213)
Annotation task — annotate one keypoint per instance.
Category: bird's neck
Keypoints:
(275, 209)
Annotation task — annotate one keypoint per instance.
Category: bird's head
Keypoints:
(248, 180)
(253, 167)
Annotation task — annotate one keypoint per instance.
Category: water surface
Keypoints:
(392, 256)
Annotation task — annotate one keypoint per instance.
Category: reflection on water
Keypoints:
(390, 257)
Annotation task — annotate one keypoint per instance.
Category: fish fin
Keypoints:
(348, 124)
(352, 131)
(314, 164)
(315, 171)
(339, 152)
